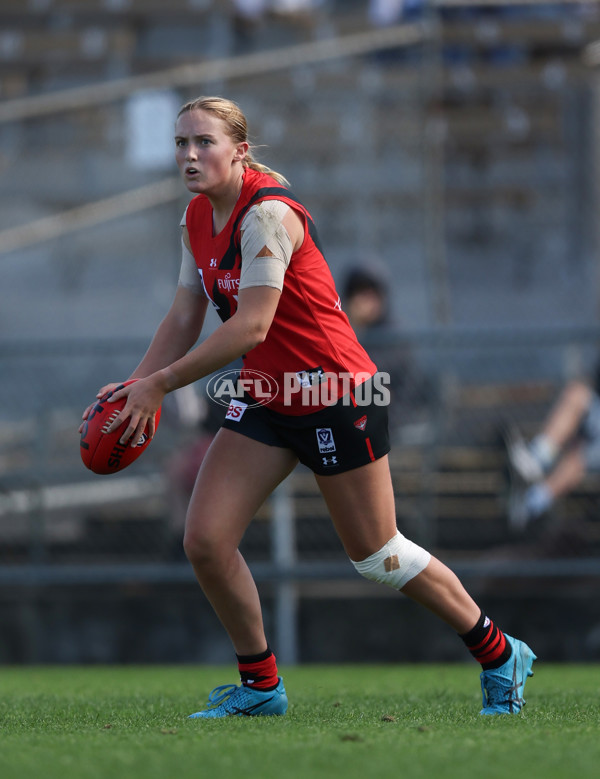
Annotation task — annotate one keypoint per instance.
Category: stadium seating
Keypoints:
(475, 139)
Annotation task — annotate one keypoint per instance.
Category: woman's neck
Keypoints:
(224, 204)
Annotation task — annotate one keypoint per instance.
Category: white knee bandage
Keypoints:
(394, 564)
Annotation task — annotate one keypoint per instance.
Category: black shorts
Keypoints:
(335, 439)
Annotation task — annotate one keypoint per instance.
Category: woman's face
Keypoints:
(206, 154)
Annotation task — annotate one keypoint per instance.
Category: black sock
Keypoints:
(487, 644)
(259, 671)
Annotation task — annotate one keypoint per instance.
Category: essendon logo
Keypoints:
(361, 423)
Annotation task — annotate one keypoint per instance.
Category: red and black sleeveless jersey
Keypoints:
(310, 336)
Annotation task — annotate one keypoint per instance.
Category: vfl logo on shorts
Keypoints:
(325, 440)
(236, 410)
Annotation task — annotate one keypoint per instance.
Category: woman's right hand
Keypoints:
(101, 392)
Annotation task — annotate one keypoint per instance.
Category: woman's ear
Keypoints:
(240, 151)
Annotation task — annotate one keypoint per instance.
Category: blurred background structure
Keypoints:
(449, 147)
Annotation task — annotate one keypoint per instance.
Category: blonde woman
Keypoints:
(251, 250)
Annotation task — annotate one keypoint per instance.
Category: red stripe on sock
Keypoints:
(261, 675)
(485, 640)
(494, 651)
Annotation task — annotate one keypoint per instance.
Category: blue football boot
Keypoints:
(503, 687)
(230, 700)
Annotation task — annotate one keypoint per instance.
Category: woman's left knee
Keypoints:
(395, 564)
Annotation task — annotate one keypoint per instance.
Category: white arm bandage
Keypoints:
(189, 277)
(266, 246)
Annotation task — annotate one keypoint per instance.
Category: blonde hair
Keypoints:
(237, 128)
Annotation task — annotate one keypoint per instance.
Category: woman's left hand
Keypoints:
(144, 398)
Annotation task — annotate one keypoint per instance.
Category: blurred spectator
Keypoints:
(365, 301)
(386, 12)
(249, 14)
(293, 7)
(555, 461)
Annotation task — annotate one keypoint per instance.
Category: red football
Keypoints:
(102, 452)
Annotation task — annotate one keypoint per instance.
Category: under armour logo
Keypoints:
(329, 460)
(213, 262)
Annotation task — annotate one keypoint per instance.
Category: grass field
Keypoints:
(348, 721)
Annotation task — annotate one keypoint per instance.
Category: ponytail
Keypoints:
(250, 162)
